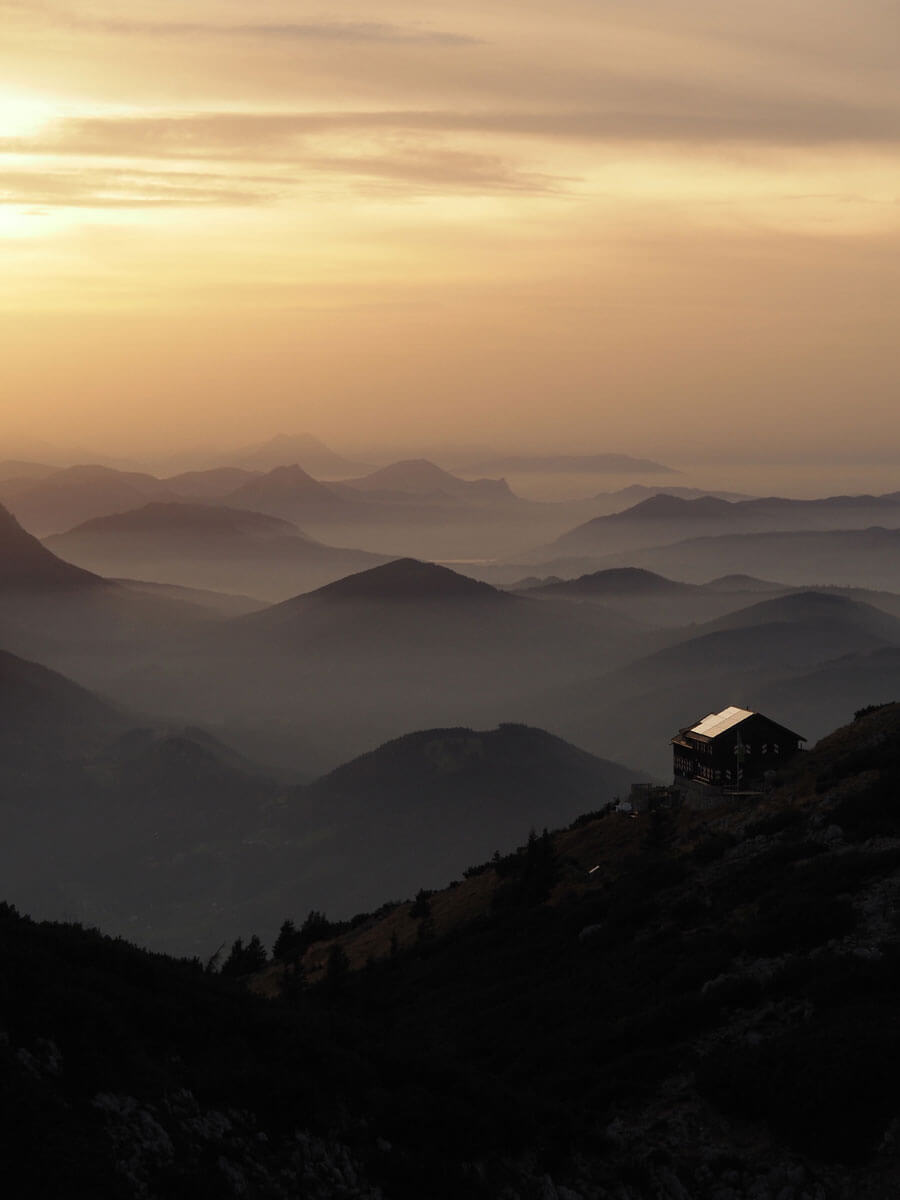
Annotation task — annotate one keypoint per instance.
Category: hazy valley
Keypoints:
(243, 707)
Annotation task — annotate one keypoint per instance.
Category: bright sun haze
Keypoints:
(511, 224)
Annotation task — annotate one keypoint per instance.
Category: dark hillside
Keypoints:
(128, 1074)
(45, 716)
(710, 1013)
(167, 834)
(26, 564)
(759, 943)
(420, 809)
(137, 827)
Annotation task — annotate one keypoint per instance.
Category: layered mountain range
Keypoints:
(216, 722)
(662, 519)
(167, 835)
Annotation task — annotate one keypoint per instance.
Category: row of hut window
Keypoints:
(707, 748)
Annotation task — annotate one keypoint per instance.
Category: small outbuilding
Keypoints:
(732, 749)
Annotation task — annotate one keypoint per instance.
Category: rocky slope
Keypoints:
(679, 1006)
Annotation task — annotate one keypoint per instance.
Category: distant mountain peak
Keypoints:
(185, 517)
(286, 448)
(742, 583)
(421, 475)
(806, 608)
(290, 471)
(664, 507)
(284, 484)
(619, 581)
(420, 470)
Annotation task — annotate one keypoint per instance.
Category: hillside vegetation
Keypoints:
(710, 1013)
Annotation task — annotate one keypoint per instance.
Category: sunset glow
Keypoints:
(449, 214)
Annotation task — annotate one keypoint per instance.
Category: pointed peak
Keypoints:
(292, 471)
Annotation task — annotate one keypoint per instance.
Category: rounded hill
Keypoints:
(406, 579)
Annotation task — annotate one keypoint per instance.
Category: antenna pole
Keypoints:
(739, 752)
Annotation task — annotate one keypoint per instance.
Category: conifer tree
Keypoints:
(287, 940)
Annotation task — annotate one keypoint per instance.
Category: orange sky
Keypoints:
(597, 224)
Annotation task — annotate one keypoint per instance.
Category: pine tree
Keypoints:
(287, 941)
(316, 928)
(255, 957)
(244, 960)
(232, 964)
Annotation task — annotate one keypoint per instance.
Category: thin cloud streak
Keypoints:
(128, 189)
(350, 31)
(332, 31)
(443, 172)
(270, 135)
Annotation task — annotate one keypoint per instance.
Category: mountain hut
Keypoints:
(732, 749)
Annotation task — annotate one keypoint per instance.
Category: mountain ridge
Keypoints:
(26, 564)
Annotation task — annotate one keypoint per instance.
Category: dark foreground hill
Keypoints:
(425, 806)
(710, 1013)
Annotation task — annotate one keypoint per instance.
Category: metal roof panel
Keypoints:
(716, 723)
